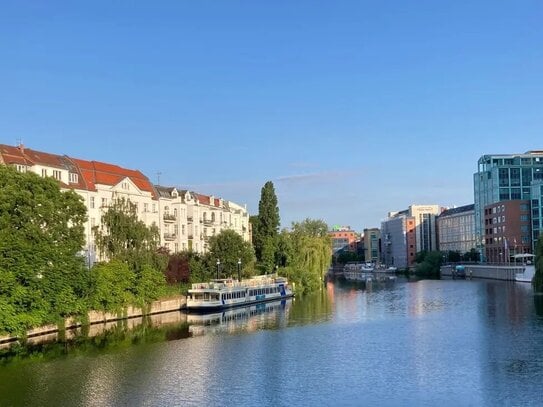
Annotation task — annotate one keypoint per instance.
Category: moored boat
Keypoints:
(227, 293)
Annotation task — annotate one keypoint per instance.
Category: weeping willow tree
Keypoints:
(538, 278)
(305, 254)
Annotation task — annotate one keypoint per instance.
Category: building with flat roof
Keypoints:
(503, 177)
(372, 245)
(507, 230)
(456, 229)
(343, 238)
(398, 240)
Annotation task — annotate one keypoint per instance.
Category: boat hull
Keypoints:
(200, 307)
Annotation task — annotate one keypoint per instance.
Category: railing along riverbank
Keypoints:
(488, 271)
(98, 321)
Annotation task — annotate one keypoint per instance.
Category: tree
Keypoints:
(229, 247)
(308, 255)
(42, 274)
(538, 278)
(266, 227)
(124, 237)
(430, 266)
(453, 256)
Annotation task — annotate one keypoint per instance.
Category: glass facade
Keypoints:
(504, 178)
(537, 211)
(456, 229)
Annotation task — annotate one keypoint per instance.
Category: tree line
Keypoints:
(44, 277)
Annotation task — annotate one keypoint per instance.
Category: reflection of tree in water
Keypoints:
(538, 303)
(311, 308)
(121, 335)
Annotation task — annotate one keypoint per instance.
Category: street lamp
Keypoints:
(218, 267)
(239, 270)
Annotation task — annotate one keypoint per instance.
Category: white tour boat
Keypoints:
(226, 293)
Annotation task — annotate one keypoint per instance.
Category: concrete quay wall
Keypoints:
(100, 321)
(507, 273)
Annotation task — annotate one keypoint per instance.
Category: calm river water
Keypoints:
(433, 342)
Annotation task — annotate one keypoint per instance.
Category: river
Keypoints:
(429, 342)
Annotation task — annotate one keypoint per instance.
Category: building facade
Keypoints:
(456, 229)
(507, 230)
(343, 238)
(372, 245)
(425, 226)
(536, 211)
(503, 177)
(185, 219)
(398, 240)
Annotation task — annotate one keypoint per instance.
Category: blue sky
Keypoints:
(351, 108)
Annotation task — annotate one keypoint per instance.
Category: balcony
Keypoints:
(208, 222)
(190, 219)
(191, 236)
(170, 236)
(168, 217)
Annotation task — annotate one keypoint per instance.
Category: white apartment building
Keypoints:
(190, 219)
(186, 219)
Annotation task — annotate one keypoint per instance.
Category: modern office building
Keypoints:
(507, 230)
(456, 229)
(503, 177)
(343, 238)
(425, 226)
(372, 245)
(398, 240)
(536, 211)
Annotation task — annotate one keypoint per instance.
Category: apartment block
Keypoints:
(456, 229)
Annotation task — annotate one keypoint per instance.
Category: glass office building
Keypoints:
(537, 211)
(504, 177)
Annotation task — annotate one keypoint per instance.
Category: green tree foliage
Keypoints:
(122, 236)
(42, 275)
(114, 286)
(229, 247)
(430, 266)
(266, 227)
(538, 278)
(472, 255)
(344, 256)
(308, 256)
(453, 256)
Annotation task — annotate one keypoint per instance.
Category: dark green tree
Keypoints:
(229, 247)
(266, 228)
(42, 274)
(122, 236)
(430, 266)
(538, 278)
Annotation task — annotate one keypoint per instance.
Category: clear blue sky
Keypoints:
(352, 108)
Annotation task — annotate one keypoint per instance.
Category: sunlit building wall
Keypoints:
(456, 229)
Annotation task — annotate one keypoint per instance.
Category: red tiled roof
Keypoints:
(95, 172)
(13, 155)
(203, 199)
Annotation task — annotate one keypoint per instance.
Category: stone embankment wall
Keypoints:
(100, 321)
(507, 273)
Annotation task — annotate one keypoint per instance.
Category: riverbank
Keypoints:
(100, 318)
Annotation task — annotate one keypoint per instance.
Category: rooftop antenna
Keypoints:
(158, 174)
(19, 141)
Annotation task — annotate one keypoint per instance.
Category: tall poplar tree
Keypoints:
(266, 227)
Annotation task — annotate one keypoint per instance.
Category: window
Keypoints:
(44, 172)
(154, 208)
(524, 207)
(92, 202)
(524, 218)
(73, 178)
(145, 207)
(183, 230)
(125, 185)
(104, 202)
(524, 228)
(57, 175)
(21, 168)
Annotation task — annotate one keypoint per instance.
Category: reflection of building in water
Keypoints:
(268, 314)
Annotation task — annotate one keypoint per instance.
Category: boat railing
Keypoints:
(253, 282)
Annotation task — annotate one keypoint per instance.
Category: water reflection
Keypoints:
(413, 343)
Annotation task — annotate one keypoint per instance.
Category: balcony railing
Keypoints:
(208, 222)
(169, 217)
(169, 236)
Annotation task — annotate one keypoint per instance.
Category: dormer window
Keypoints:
(57, 175)
(73, 178)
